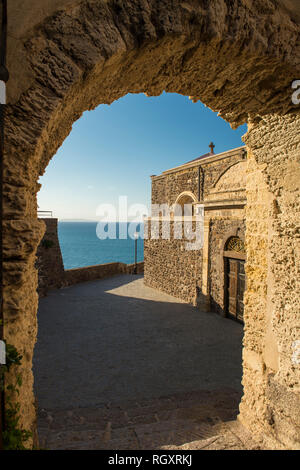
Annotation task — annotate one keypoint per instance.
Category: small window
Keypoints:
(186, 202)
(235, 244)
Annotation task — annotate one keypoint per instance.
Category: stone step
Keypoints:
(89, 419)
(231, 436)
(142, 436)
(197, 405)
(148, 424)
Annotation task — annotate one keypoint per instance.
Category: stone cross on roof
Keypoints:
(212, 146)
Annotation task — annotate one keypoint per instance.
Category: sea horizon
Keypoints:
(81, 247)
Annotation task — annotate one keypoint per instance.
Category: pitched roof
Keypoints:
(209, 154)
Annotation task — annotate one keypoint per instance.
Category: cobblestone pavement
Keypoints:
(113, 348)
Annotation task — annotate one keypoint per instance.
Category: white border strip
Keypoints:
(2, 92)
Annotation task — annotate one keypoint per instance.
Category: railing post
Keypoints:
(136, 235)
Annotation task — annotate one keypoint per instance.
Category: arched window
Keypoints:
(235, 244)
(186, 201)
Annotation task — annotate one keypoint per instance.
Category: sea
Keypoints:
(80, 245)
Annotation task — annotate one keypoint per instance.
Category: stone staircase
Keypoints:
(195, 420)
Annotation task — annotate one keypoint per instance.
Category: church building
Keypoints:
(211, 277)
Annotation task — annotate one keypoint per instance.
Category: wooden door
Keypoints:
(241, 290)
(235, 286)
(232, 286)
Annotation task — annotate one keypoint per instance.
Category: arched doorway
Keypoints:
(235, 278)
(88, 53)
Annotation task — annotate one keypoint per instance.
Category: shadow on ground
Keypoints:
(109, 346)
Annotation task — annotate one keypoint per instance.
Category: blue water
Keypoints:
(81, 247)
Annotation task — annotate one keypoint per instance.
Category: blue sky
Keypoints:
(113, 150)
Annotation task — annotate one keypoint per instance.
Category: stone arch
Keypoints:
(231, 174)
(186, 198)
(74, 55)
(235, 231)
(236, 245)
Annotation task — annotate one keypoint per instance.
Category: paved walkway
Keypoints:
(195, 420)
(104, 343)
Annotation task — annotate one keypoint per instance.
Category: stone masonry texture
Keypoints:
(169, 266)
(239, 57)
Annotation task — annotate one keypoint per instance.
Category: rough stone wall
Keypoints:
(214, 171)
(237, 56)
(49, 259)
(271, 372)
(170, 268)
(99, 271)
(220, 230)
(20, 303)
(166, 188)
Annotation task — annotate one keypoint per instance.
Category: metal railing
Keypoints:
(45, 213)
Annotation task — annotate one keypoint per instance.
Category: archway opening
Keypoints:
(89, 53)
(111, 300)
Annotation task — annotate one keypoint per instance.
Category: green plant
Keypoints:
(14, 437)
(12, 357)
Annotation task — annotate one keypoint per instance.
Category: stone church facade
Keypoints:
(213, 276)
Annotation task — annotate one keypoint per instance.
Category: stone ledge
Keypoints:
(99, 271)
